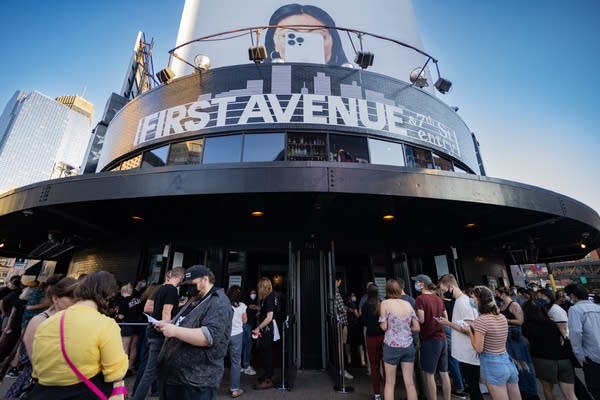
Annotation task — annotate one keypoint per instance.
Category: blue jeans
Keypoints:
(246, 346)
(235, 353)
(453, 366)
(171, 392)
(154, 346)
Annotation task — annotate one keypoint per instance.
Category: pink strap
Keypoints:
(119, 390)
(81, 377)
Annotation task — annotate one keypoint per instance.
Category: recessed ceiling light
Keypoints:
(257, 213)
(388, 217)
(471, 225)
(136, 218)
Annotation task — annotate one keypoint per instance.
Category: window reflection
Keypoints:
(185, 153)
(386, 153)
(419, 158)
(223, 149)
(348, 149)
(442, 163)
(155, 157)
(263, 147)
(132, 163)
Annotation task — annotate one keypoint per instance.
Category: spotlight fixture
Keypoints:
(417, 77)
(442, 85)
(165, 75)
(202, 62)
(348, 65)
(257, 54)
(2, 244)
(364, 59)
(388, 217)
(257, 213)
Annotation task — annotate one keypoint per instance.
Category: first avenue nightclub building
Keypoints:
(296, 169)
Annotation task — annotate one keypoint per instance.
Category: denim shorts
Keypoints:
(498, 369)
(396, 355)
(434, 356)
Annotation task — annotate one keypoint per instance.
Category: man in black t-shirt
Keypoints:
(163, 307)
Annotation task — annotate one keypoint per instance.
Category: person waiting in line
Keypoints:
(488, 338)
(341, 314)
(163, 307)
(584, 325)
(143, 341)
(60, 294)
(237, 336)
(78, 352)
(355, 335)
(463, 315)
(264, 332)
(516, 345)
(550, 357)
(556, 313)
(398, 320)
(130, 311)
(247, 343)
(374, 337)
(361, 303)
(453, 367)
(434, 350)
(563, 300)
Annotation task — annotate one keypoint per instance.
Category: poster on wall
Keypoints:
(317, 31)
(46, 271)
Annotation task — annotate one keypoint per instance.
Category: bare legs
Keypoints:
(508, 392)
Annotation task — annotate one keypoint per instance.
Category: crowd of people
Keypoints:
(464, 340)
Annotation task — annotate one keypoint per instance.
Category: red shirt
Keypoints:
(433, 306)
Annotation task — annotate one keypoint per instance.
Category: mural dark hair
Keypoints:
(62, 288)
(338, 57)
(100, 287)
(487, 304)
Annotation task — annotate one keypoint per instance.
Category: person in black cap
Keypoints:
(191, 360)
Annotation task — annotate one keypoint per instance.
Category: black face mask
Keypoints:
(448, 294)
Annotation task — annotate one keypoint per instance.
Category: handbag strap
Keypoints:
(77, 372)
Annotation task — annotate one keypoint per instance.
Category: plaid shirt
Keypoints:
(341, 310)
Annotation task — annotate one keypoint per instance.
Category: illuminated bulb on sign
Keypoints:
(257, 213)
(388, 217)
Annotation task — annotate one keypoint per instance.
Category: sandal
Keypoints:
(237, 393)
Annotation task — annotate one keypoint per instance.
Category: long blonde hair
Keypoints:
(264, 287)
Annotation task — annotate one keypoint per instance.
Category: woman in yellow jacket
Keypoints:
(88, 348)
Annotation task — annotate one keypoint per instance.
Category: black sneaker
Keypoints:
(458, 395)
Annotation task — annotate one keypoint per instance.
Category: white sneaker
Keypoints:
(249, 370)
(377, 397)
(347, 375)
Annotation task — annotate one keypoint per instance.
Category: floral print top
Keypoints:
(399, 333)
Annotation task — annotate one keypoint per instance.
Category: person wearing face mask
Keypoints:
(355, 334)
(191, 362)
(463, 315)
(453, 366)
(247, 341)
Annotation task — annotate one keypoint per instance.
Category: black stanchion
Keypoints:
(283, 354)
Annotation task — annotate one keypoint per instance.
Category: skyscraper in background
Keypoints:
(42, 138)
(138, 79)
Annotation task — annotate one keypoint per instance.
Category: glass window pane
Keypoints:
(263, 147)
(223, 149)
(419, 158)
(459, 169)
(155, 157)
(386, 153)
(348, 149)
(132, 163)
(442, 163)
(306, 146)
(184, 153)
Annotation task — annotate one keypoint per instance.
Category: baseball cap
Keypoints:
(422, 278)
(195, 271)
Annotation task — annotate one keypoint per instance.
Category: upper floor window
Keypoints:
(184, 153)
(386, 153)
(419, 158)
(155, 157)
(223, 149)
(348, 149)
(264, 147)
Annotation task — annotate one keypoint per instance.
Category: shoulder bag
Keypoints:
(119, 391)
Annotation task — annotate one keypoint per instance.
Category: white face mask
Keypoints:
(252, 296)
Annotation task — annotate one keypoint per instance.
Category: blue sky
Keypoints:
(526, 73)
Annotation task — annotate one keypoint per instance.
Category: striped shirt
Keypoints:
(495, 331)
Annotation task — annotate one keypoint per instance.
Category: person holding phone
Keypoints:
(296, 14)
